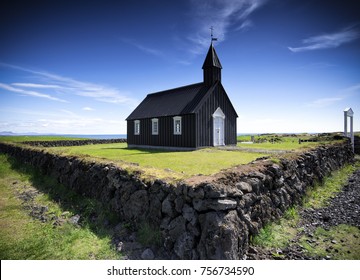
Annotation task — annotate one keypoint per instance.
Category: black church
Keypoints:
(188, 117)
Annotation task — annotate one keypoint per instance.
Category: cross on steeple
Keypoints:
(212, 35)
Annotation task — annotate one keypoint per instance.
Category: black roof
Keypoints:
(172, 102)
(211, 60)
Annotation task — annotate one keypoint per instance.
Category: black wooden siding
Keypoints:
(204, 119)
(166, 135)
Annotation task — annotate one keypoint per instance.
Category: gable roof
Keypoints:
(178, 101)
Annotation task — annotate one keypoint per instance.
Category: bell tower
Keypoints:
(212, 66)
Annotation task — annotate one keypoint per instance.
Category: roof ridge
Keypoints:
(177, 88)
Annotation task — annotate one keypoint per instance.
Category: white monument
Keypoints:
(349, 113)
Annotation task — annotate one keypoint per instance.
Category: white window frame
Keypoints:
(137, 127)
(155, 126)
(177, 131)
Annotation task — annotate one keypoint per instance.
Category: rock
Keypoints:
(147, 255)
(137, 207)
(183, 246)
(221, 235)
(196, 193)
(176, 228)
(168, 207)
(189, 214)
(75, 219)
(212, 191)
(255, 183)
(244, 187)
(214, 204)
(119, 246)
(179, 203)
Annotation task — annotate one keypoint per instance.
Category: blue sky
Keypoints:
(81, 67)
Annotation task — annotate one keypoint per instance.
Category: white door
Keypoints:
(218, 124)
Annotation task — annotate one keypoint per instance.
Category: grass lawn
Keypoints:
(177, 164)
(286, 143)
(25, 236)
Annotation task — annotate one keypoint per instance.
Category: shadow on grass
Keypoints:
(93, 214)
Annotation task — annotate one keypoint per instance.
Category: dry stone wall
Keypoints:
(62, 143)
(207, 220)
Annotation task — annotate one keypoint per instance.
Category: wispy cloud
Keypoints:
(143, 48)
(31, 85)
(324, 102)
(69, 86)
(30, 93)
(223, 15)
(352, 89)
(88, 109)
(328, 41)
(342, 94)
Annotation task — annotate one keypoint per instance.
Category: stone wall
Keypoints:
(213, 219)
(62, 143)
(357, 144)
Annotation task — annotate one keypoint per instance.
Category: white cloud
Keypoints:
(324, 102)
(328, 41)
(30, 93)
(222, 15)
(88, 109)
(31, 85)
(66, 85)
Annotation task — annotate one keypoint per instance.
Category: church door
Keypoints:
(218, 126)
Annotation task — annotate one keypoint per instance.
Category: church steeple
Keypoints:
(212, 67)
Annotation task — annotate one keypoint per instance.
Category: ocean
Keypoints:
(95, 136)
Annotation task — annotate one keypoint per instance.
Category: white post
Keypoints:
(352, 133)
(349, 113)
(345, 123)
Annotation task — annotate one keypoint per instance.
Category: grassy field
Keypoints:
(177, 164)
(273, 142)
(36, 215)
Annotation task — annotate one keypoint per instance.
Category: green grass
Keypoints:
(319, 195)
(23, 237)
(286, 143)
(279, 233)
(341, 242)
(148, 235)
(176, 164)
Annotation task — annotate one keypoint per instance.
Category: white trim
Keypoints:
(177, 125)
(155, 126)
(218, 127)
(219, 113)
(137, 127)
